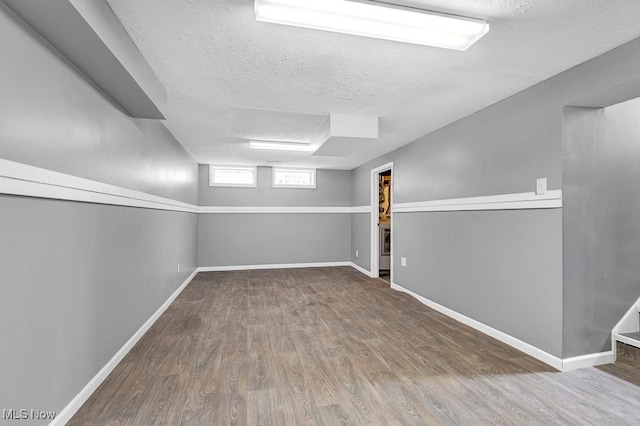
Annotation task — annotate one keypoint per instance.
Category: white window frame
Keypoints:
(273, 177)
(253, 169)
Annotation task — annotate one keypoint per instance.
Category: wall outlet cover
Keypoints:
(356, 253)
(403, 261)
(541, 186)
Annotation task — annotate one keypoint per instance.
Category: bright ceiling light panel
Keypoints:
(377, 20)
(280, 146)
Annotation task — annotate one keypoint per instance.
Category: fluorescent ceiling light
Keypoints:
(377, 20)
(280, 146)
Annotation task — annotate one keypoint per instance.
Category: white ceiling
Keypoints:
(230, 78)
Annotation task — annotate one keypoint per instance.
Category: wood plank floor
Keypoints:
(330, 346)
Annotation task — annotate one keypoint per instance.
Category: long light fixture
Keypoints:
(280, 146)
(375, 19)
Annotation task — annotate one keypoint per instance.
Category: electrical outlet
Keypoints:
(541, 186)
(178, 267)
(356, 253)
(403, 261)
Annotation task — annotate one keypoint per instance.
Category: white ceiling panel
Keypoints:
(230, 78)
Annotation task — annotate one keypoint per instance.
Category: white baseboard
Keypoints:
(531, 350)
(282, 266)
(67, 413)
(271, 266)
(588, 360)
(360, 269)
(566, 364)
(272, 209)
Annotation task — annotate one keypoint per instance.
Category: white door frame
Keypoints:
(375, 233)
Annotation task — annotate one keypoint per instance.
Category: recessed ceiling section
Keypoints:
(265, 125)
(342, 135)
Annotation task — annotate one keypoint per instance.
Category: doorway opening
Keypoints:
(381, 222)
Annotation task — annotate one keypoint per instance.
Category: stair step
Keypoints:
(627, 353)
(634, 337)
(628, 347)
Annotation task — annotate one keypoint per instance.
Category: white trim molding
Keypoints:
(524, 200)
(567, 364)
(272, 266)
(361, 209)
(72, 408)
(629, 322)
(24, 180)
(30, 181)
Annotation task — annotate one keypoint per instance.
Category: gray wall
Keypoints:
(501, 149)
(79, 279)
(600, 222)
(333, 189)
(361, 180)
(259, 239)
(361, 239)
(54, 118)
(488, 265)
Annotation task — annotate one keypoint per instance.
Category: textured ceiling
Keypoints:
(230, 78)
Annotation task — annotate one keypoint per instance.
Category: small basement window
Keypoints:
(233, 176)
(294, 178)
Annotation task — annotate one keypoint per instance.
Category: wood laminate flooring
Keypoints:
(330, 346)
